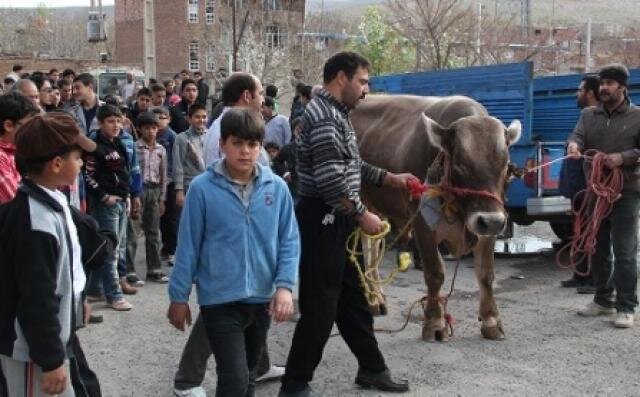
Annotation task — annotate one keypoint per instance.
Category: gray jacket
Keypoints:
(615, 133)
(78, 113)
(188, 160)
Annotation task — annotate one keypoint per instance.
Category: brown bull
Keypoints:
(406, 134)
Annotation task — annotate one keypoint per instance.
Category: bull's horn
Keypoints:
(513, 132)
(438, 135)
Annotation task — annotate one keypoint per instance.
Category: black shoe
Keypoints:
(586, 289)
(306, 392)
(381, 381)
(573, 282)
(95, 318)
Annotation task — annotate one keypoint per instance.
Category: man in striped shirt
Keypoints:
(330, 171)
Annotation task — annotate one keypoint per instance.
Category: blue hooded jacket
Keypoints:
(231, 251)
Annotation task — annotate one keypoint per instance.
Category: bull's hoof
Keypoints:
(435, 334)
(492, 330)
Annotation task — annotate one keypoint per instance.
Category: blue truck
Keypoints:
(547, 108)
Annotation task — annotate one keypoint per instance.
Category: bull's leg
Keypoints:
(491, 325)
(377, 301)
(434, 327)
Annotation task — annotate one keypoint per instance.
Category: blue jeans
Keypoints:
(237, 334)
(113, 218)
(618, 235)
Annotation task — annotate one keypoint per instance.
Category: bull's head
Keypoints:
(478, 152)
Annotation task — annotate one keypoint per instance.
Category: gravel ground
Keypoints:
(548, 351)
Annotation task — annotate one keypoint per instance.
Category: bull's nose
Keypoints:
(487, 223)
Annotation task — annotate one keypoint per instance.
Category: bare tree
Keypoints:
(436, 27)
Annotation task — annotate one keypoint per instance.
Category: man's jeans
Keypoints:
(113, 218)
(620, 232)
(237, 333)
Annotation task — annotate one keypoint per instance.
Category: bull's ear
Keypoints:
(513, 132)
(438, 136)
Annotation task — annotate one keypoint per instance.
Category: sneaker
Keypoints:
(275, 372)
(623, 320)
(158, 277)
(121, 305)
(193, 392)
(133, 279)
(126, 288)
(593, 309)
(169, 259)
(95, 318)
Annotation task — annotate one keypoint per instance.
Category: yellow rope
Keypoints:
(367, 276)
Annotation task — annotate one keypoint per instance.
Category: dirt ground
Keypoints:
(548, 350)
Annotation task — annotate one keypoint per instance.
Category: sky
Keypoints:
(50, 3)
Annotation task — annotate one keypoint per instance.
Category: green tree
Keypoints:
(387, 51)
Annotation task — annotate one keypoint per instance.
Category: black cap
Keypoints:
(616, 72)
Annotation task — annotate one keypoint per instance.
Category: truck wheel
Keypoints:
(562, 229)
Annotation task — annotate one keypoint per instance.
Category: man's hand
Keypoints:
(398, 181)
(573, 150)
(179, 198)
(54, 381)
(613, 160)
(161, 208)
(111, 200)
(281, 305)
(370, 223)
(179, 314)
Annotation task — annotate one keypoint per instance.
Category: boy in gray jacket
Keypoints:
(188, 149)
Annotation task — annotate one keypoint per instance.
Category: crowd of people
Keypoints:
(242, 201)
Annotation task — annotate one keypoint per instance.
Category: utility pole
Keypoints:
(587, 55)
(149, 40)
(234, 56)
(479, 32)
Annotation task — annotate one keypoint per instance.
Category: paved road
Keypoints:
(549, 351)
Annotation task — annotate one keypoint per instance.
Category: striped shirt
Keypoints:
(153, 165)
(329, 164)
(9, 176)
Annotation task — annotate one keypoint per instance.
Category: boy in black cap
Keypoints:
(613, 128)
(41, 277)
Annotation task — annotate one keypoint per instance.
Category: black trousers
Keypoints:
(329, 292)
(84, 380)
(169, 222)
(236, 334)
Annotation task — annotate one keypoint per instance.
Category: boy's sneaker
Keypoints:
(121, 305)
(168, 258)
(133, 279)
(623, 320)
(275, 372)
(126, 288)
(157, 277)
(193, 392)
(593, 309)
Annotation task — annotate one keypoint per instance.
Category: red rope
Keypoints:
(417, 189)
(603, 189)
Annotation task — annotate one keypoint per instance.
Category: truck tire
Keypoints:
(562, 229)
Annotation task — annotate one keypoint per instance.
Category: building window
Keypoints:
(194, 56)
(272, 5)
(192, 11)
(275, 36)
(208, 11)
(239, 3)
(211, 58)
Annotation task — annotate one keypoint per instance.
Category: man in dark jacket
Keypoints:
(203, 88)
(179, 119)
(614, 128)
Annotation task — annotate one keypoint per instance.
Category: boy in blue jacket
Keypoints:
(238, 241)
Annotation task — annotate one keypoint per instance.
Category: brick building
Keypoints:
(197, 34)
